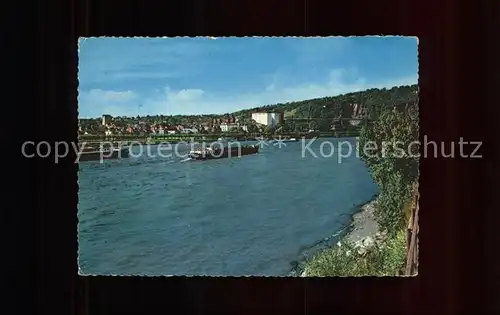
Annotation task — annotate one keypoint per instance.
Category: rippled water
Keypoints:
(252, 215)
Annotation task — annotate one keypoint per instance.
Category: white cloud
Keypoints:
(196, 101)
(110, 96)
(116, 96)
(144, 75)
(337, 83)
(96, 102)
(186, 95)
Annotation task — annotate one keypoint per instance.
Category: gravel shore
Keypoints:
(363, 223)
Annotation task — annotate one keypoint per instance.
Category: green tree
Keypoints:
(216, 129)
(282, 128)
(313, 125)
(236, 130)
(385, 146)
(252, 128)
(269, 130)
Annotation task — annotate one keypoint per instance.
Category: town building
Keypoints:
(226, 127)
(106, 119)
(189, 130)
(268, 119)
(171, 130)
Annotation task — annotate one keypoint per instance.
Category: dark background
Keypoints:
(459, 270)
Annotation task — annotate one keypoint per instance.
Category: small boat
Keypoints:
(283, 140)
(211, 153)
(96, 154)
(226, 140)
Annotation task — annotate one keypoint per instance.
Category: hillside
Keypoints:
(366, 103)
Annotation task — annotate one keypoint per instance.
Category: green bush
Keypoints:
(393, 162)
(344, 260)
(390, 209)
(394, 254)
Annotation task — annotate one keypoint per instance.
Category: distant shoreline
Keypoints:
(208, 137)
(199, 139)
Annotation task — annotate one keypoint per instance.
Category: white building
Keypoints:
(225, 127)
(268, 119)
(189, 130)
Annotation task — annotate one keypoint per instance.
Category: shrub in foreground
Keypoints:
(346, 260)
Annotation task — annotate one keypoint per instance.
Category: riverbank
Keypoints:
(363, 250)
(364, 223)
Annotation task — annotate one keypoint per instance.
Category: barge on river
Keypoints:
(284, 140)
(98, 154)
(225, 151)
(288, 140)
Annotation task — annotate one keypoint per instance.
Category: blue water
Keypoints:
(252, 215)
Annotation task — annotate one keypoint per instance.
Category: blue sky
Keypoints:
(169, 76)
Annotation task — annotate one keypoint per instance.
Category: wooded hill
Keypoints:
(368, 103)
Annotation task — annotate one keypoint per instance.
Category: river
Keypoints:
(254, 215)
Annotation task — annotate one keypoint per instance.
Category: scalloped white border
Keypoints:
(80, 272)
